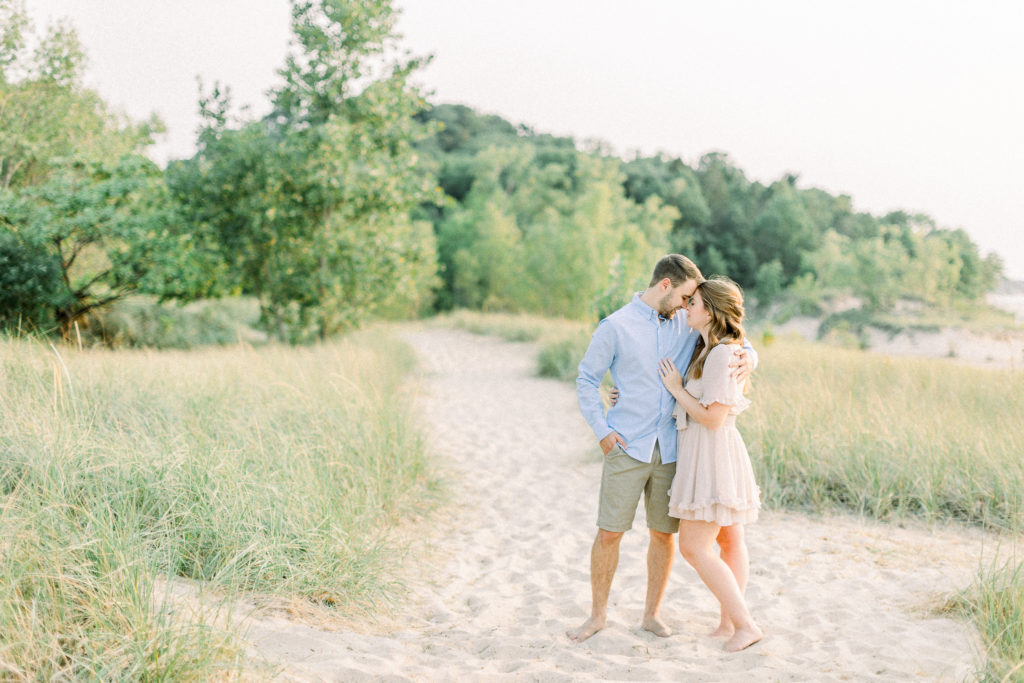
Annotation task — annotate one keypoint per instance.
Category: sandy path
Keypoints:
(839, 598)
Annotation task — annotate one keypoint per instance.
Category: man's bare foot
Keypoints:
(656, 626)
(725, 630)
(587, 629)
(743, 638)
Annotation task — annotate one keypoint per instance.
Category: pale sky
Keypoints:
(904, 104)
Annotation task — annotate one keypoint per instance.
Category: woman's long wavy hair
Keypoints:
(723, 300)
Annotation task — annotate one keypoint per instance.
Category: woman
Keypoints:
(714, 493)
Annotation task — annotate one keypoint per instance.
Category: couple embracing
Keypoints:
(679, 360)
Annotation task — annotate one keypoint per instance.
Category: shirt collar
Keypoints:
(644, 310)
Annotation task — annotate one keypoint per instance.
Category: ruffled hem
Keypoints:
(718, 513)
(731, 503)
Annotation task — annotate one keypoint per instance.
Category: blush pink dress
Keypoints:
(714, 480)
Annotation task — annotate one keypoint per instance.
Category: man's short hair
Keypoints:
(676, 268)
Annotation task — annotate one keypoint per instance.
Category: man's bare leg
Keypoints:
(604, 558)
(660, 554)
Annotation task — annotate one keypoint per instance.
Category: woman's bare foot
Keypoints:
(725, 630)
(743, 638)
(586, 629)
(656, 626)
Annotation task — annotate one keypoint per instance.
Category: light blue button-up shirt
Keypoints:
(631, 342)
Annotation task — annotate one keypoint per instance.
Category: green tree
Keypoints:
(80, 210)
(674, 184)
(30, 284)
(104, 225)
(309, 209)
(770, 282)
(46, 115)
(780, 238)
(978, 274)
(541, 229)
(729, 235)
(783, 231)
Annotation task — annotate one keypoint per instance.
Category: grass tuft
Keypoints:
(995, 602)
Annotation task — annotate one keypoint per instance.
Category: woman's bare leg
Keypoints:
(696, 543)
(734, 553)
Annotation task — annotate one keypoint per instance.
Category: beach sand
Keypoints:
(494, 588)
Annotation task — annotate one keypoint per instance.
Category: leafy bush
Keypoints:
(30, 284)
(143, 322)
(560, 358)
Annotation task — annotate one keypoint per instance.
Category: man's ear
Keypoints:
(665, 284)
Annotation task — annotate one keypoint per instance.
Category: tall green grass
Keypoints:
(277, 471)
(884, 437)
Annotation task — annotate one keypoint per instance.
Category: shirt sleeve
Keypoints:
(751, 351)
(719, 385)
(591, 371)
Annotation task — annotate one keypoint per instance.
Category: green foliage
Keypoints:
(770, 280)
(460, 134)
(560, 358)
(30, 284)
(81, 212)
(904, 260)
(726, 246)
(141, 321)
(783, 232)
(540, 230)
(525, 212)
(104, 225)
(309, 209)
(48, 118)
(675, 184)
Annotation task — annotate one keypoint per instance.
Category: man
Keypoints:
(638, 436)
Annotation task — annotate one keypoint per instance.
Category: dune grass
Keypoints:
(276, 471)
(995, 602)
(887, 437)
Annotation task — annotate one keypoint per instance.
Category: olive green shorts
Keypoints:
(623, 480)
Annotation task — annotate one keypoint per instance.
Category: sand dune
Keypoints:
(839, 598)
(1003, 350)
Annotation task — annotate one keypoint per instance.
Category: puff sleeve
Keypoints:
(719, 386)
